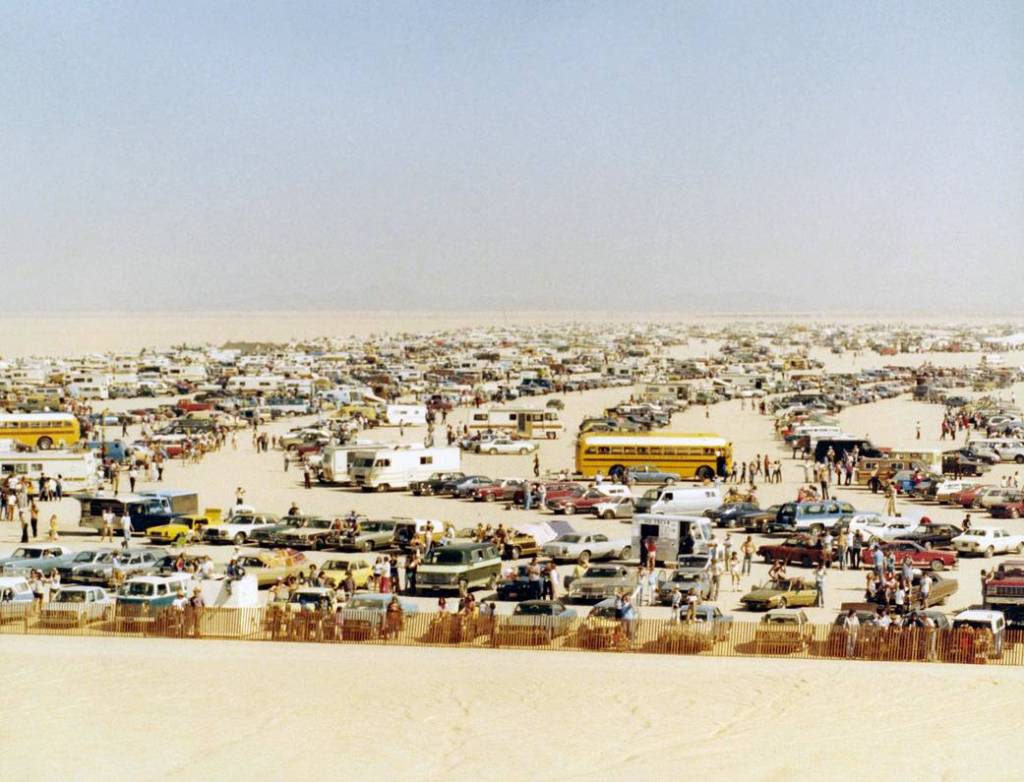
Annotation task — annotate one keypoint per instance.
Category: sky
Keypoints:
(768, 156)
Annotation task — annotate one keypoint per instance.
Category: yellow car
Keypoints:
(184, 529)
(338, 570)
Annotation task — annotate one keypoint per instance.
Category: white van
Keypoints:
(397, 467)
(336, 461)
(680, 500)
(673, 535)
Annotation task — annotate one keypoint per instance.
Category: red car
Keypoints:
(189, 406)
(504, 490)
(576, 501)
(551, 491)
(968, 496)
(1008, 510)
(795, 550)
(933, 559)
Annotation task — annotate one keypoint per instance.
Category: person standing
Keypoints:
(748, 550)
(133, 476)
(24, 527)
(33, 515)
(536, 465)
(53, 528)
(890, 500)
(819, 585)
(126, 527)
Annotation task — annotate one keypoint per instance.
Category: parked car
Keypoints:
(505, 445)
(781, 593)
(77, 606)
(44, 557)
(614, 508)
(599, 582)
(732, 515)
(587, 546)
(585, 501)
(932, 535)
(649, 473)
(760, 521)
(437, 483)
(784, 630)
(536, 621)
(603, 628)
(311, 534)
(367, 536)
(239, 527)
(988, 541)
(805, 550)
(931, 559)
(694, 637)
(339, 569)
(469, 486)
(691, 572)
(503, 489)
(470, 564)
(269, 566)
(986, 640)
(519, 544)
(365, 616)
(517, 586)
(117, 566)
(814, 516)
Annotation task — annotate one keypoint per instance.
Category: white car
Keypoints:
(882, 527)
(988, 541)
(614, 508)
(949, 491)
(77, 605)
(1000, 496)
(577, 545)
(506, 445)
(239, 527)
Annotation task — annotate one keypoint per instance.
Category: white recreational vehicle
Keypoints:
(525, 421)
(398, 466)
(405, 415)
(78, 471)
(336, 461)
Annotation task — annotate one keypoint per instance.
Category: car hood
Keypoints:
(603, 582)
(763, 594)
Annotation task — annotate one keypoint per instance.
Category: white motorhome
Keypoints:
(398, 466)
(336, 461)
(405, 415)
(79, 471)
(530, 422)
(673, 535)
(88, 390)
(253, 383)
(684, 500)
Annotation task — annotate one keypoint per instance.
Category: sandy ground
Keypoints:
(232, 710)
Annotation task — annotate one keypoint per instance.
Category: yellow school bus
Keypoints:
(40, 430)
(693, 456)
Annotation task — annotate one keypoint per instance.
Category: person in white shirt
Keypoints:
(126, 527)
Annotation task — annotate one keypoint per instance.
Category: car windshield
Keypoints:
(137, 589)
(335, 564)
(534, 609)
(601, 572)
(605, 612)
(781, 620)
(443, 556)
(371, 526)
(70, 596)
(85, 556)
(319, 524)
(307, 598)
(569, 538)
(27, 553)
(977, 624)
(106, 556)
(364, 604)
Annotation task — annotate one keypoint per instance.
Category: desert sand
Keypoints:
(233, 710)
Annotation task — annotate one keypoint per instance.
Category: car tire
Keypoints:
(492, 581)
(44, 443)
(626, 552)
(489, 497)
(493, 451)
(705, 473)
(670, 481)
(239, 538)
(938, 565)
(1014, 513)
(463, 585)
(990, 552)
(805, 561)
(1019, 458)
(570, 509)
(608, 515)
(514, 552)
(523, 451)
(783, 603)
(383, 488)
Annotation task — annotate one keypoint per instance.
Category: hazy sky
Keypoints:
(522, 155)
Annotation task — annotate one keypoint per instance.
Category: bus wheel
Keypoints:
(44, 443)
(705, 473)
